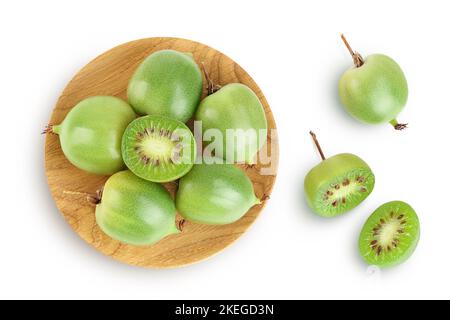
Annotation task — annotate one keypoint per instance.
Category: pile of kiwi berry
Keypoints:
(373, 91)
(148, 137)
(144, 142)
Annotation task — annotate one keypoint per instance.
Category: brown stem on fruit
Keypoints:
(47, 129)
(316, 142)
(180, 224)
(357, 58)
(211, 87)
(91, 198)
(398, 126)
(401, 126)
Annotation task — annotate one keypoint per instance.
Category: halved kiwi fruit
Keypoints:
(390, 235)
(338, 184)
(158, 149)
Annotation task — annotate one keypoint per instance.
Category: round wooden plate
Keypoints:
(109, 74)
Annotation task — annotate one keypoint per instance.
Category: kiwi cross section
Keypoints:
(109, 74)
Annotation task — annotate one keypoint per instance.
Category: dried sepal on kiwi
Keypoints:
(390, 235)
(158, 149)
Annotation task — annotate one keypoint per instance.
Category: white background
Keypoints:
(293, 51)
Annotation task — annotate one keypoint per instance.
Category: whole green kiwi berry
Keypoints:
(375, 90)
(338, 184)
(238, 115)
(91, 134)
(215, 193)
(135, 211)
(167, 83)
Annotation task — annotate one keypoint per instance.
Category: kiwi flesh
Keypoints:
(390, 235)
(338, 184)
(158, 149)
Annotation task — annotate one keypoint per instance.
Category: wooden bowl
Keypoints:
(109, 74)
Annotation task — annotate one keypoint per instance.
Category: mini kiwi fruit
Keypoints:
(215, 193)
(390, 235)
(158, 149)
(337, 184)
(375, 90)
(135, 211)
(91, 134)
(167, 83)
(238, 114)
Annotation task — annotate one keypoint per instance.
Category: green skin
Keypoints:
(376, 236)
(235, 106)
(91, 134)
(375, 92)
(168, 83)
(331, 172)
(158, 147)
(135, 211)
(215, 194)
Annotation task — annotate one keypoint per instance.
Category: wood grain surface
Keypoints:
(109, 74)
